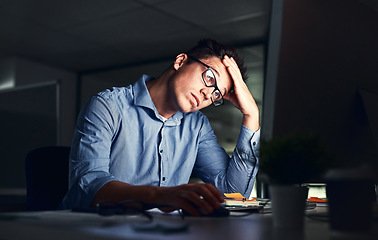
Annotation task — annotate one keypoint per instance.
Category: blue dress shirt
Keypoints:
(120, 136)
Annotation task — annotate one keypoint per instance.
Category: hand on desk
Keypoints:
(191, 198)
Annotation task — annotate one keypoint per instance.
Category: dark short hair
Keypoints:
(207, 48)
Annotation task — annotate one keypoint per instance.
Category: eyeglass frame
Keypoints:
(216, 103)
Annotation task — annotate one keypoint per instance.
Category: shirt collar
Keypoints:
(142, 98)
(141, 95)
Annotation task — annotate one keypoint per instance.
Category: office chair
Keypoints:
(46, 170)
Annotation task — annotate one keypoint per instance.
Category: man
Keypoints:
(142, 142)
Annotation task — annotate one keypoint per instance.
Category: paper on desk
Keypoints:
(236, 199)
(234, 195)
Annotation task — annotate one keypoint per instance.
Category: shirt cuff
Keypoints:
(249, 139)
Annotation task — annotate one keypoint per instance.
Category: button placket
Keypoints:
(163, 158)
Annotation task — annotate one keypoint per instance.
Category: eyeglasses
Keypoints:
(209, 79)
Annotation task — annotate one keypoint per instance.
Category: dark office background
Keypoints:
(78, 48)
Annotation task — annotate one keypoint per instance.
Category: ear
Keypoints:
(180, 60)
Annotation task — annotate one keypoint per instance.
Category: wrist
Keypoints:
(251, 122)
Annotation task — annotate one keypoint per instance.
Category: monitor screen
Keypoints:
(322, 76)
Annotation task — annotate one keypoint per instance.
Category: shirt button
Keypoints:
(161, 151)
(163, 178)
(254, 143)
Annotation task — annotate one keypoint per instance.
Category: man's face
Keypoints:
(190, 91)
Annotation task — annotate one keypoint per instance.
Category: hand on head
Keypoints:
(241, 97)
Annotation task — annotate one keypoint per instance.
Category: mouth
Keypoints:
(196, 100)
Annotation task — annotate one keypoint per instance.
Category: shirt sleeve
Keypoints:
(244, 163)
(90, 152)
(229, 174)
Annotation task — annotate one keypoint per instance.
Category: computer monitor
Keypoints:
(322, 76)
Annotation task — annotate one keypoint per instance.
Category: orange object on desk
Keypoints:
(238, 196)
(316, 199)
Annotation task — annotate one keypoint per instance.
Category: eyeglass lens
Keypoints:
(209, 79)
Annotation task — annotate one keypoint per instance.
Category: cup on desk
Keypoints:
(288, 206)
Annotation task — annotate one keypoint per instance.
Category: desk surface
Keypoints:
(72, 225)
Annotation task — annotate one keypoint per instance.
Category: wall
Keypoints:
(17, 72)
(38, 109)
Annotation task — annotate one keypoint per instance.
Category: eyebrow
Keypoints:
(197, 60)
(215, 71)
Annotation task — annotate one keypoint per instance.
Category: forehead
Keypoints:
(223, 77)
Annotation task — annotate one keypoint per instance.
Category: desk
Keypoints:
(72, 225)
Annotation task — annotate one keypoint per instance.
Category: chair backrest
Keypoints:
(46, 172)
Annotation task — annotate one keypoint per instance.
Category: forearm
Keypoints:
(235, 174)
(243, 165)
(186, 197)
(116, 191)
(251, 120)
(241, 97)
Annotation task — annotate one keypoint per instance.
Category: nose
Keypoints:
(206, 92)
